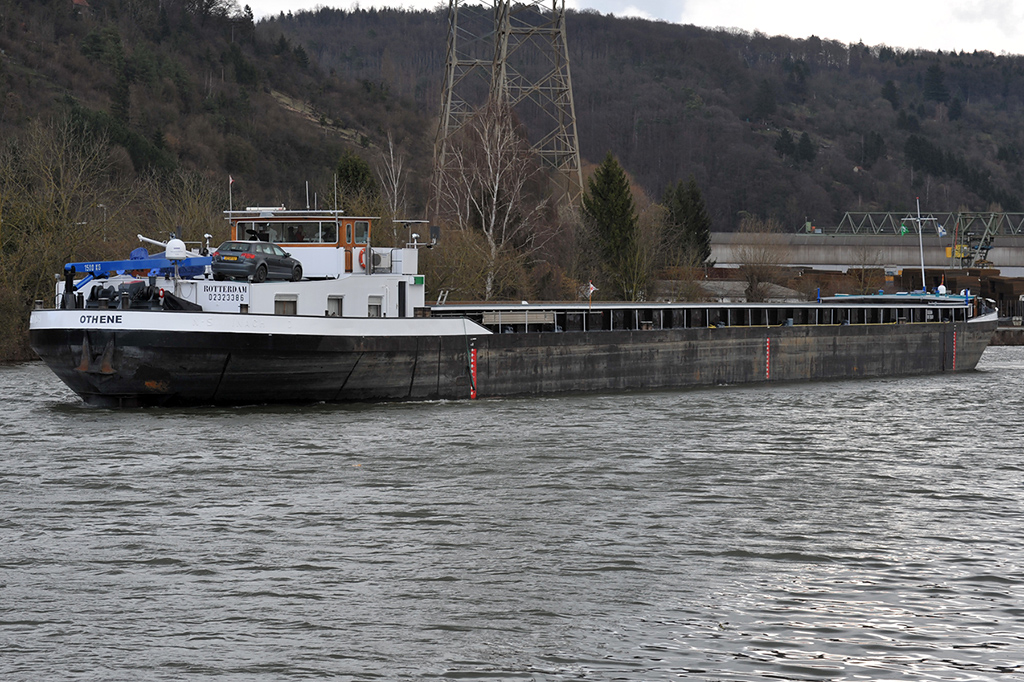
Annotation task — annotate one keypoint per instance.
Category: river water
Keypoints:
(860, 530)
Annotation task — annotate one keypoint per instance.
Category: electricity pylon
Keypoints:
(515, 55)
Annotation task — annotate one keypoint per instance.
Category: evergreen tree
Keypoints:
(908, 122)
(785, 145)
(250, 21)
(890, 93)
(956, 109)
(163, 24)
(608, 207)
(120, 106)
(689, 225)
(764, 104)
(355, 178)
(798, 73)
(805, 150)
(874, 148)
(934, 84)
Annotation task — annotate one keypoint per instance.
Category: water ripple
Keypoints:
(833, 531)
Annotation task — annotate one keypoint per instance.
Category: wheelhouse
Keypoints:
(328, 243)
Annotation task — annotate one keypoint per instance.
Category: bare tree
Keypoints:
(392, 179)
(761, 256)
(457, 269)
(53, 181)
(868, 276)
(684, 274)
(54, 178)
(186, 201)
(639, 276)
(490, 189)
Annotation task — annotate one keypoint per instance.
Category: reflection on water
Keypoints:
(841, 531)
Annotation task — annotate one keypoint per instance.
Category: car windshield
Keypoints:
(238, 247)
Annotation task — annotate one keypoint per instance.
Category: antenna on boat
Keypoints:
(307, 195)
(920, 243)
(409, 225)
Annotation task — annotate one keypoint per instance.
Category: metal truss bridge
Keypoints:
(970, 234)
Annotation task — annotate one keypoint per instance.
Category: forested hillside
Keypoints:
(768, 125)
(184, 84)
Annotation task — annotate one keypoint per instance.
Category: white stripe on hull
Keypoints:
(146, 320)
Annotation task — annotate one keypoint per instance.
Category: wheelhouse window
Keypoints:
(247, 231)
(295, 232)
(362, 231)
(310, 232)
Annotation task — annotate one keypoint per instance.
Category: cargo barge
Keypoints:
(357, 328)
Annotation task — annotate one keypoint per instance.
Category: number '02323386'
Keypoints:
(224, 296)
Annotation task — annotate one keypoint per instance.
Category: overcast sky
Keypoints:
(993, 25)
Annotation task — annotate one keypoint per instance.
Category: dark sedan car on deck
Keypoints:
(256, 261)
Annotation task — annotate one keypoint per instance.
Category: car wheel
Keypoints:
(219, 276)
(261, 274)
(297, 273)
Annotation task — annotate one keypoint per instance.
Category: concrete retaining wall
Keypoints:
(840, 252)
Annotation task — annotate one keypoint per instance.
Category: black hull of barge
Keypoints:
(123, 368)
(143, 368)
